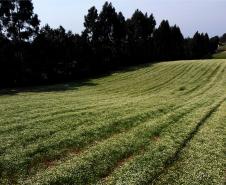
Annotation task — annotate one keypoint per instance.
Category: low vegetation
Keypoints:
(156, 124)
(220, 55)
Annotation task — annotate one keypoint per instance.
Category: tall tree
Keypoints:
(141, 26)
(91, 24)
(169, 42)
(162, 40)
(107, 28)
(17, 20)
(105, 33)
(140, 35)
(214, 42)
(200, 45)
(176, 45)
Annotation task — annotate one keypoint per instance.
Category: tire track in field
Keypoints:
(188, 98)
(54, 112)
(47, 110)
(144, 79)
(201, 73)
(197, 76)
(82, 150)
(161, 127)
(150, 71)
(132, 72)
(144, 117)
(154, 137)
(204, 87)
(212, 74)
(57, 115)
(215, 82)
(19, 127)
(145, 179)
(64, 113)
(181, 71)
(177, 76)
(124, 129)
(69, 110)
(216, 77)
(202, 90)
(203, 155)
(51, 116)
(171, 160)
(180, 75)
(153, 132)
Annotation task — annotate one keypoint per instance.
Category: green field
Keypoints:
(220, 55)
(156, 124)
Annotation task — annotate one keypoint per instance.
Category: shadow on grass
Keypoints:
(71, 85)
(48, 88)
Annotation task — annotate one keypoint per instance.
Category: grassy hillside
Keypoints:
(220, 55)
(160, 124)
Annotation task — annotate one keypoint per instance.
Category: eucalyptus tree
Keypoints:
(17, 19)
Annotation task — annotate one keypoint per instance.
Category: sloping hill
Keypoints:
(220, 55)
(160, 124)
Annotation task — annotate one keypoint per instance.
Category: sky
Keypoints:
(190, 15)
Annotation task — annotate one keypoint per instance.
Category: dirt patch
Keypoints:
(49, 163)
(156, 138)
(123, 161)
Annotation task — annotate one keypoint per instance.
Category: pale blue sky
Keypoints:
(191, 15)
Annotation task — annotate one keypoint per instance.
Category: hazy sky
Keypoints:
(191, 15)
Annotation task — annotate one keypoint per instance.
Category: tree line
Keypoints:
(223, 39)
(32, 55)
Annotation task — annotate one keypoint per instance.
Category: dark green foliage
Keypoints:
(140, 37)
(18, 26)
(223, 38)
(31, 56)
(17, 19)
(56, 54)
(200, 45)
(105, 33)
(214, 41)
(168, 42)
(90, 24)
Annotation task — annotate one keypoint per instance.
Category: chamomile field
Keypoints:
(163, 123)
